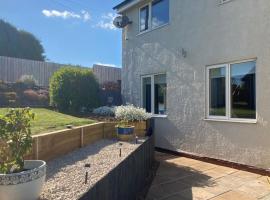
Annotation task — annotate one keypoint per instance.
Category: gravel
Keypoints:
(66, 174)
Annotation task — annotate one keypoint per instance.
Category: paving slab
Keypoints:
(181, 178)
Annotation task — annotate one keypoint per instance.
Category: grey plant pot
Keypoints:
(26, 185)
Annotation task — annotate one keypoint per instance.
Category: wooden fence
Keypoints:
(52, 145)
(12, 69)
(107, 74)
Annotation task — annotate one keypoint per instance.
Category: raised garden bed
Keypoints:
(110, 176)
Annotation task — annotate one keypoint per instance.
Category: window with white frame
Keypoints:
(154, 89)
(154, 15)
(231, 91)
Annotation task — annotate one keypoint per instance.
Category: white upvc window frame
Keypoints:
(152, 76)
(149, 17)
(228, 117)
(149, 4)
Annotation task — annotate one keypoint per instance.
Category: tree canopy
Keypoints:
(19, 43)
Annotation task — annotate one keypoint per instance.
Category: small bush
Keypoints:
(131, 113)
(72, 89)
(32, 97)
(111, 86)
(10, 95)
(15, 139)
(3, 86)
(104, 111)
(28, 81)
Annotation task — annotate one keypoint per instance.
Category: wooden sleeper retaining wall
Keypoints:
(52, 145)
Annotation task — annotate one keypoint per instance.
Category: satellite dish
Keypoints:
(121, 21)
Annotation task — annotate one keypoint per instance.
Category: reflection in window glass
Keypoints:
(144, 18)
(147, 94)
(160, 12)
(243, 91)
(160, 94)
(217, 91)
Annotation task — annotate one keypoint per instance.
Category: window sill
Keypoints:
(159, 116)
(245, 121)
(150, 30)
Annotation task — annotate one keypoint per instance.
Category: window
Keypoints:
(160, 13)
(157, 11)
(154, 93)
(144, 18)
(232, 91)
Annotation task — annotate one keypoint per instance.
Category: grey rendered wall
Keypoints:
(211, 34)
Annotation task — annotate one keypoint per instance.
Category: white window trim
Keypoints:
(152, 93)
(150, 19)
(227, 117)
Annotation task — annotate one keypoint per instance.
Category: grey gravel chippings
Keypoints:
(66, 175)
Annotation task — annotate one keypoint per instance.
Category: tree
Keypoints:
(74, 88)
(19, 43)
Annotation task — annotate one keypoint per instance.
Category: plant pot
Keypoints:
(125, 133)
(26, 185)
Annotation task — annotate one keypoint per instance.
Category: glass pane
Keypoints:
(160, 12)
(243, 90)
(160, 94)
(217, 91)
(147, 94)
(144, 18)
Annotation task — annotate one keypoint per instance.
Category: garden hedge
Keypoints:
(74, 89)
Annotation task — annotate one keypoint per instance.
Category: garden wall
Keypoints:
(52, 145)
(128, 179)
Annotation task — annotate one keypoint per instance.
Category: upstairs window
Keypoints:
(232, 91)
(154, 15)
(144, 18)
(160, 13)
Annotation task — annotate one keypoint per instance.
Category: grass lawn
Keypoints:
(48, 120)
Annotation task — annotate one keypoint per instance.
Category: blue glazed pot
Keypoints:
(125, 130)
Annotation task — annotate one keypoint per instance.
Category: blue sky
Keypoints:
(71, 31)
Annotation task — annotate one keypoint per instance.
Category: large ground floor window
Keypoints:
(231, 91)
(154, 88)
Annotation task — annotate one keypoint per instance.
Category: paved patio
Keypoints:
(180, 178)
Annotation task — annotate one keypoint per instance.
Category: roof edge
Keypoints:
(125, 5)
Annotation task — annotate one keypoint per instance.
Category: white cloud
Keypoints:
(106, 21)
(84, 15)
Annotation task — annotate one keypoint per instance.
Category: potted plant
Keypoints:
(127, 115)
(19, 179)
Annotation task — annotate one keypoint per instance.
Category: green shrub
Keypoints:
(27, 81)
(73, 89)
(15, 139)
(8, 98)
(3, 86)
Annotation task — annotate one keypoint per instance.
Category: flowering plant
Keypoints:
(130, 113)
(104, 111)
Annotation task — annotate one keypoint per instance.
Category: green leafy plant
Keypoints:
(15, 139)
(74, 88)
(130, 113)
(28, 81)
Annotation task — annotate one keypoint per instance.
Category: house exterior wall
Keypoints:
(210, 33)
